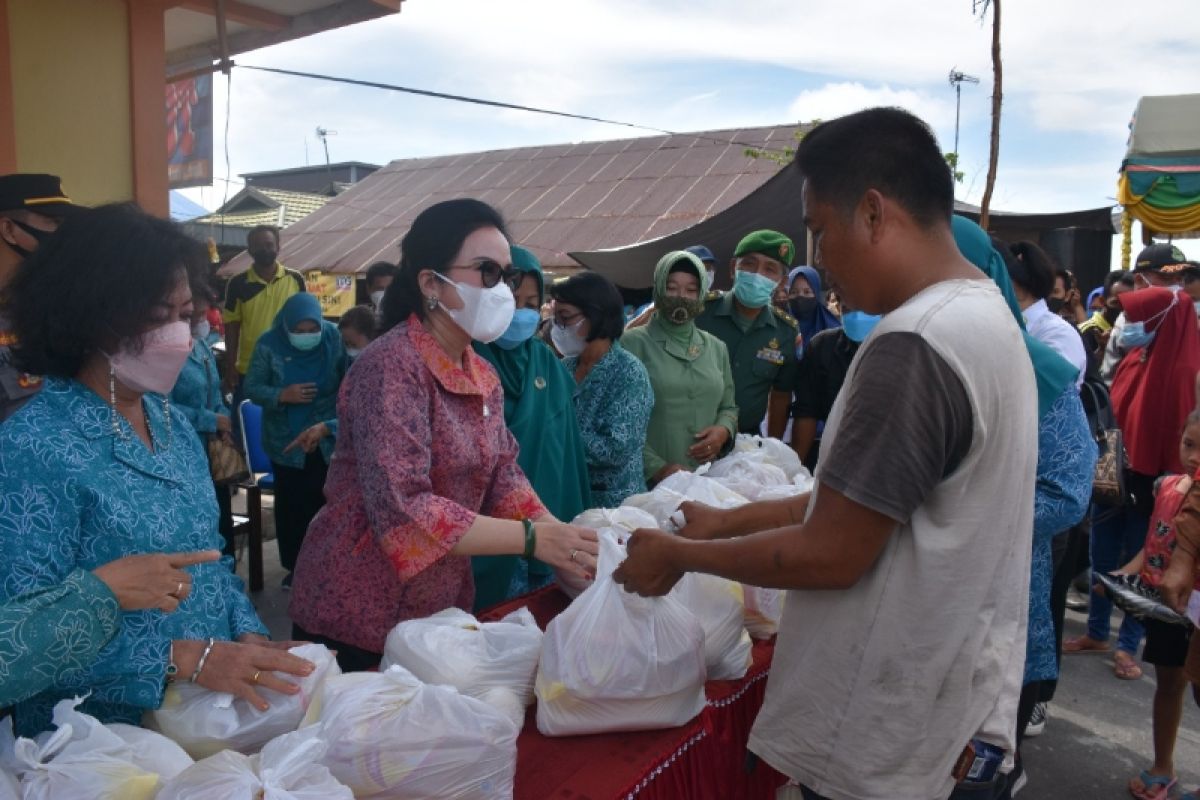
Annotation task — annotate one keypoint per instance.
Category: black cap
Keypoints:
(1165, 258)
(35, 192)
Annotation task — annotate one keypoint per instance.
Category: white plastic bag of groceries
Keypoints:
(663, 502)
(746, 473)
(391, 736)
(621, 522)
(492, 661)
(717, 604)
(659, 504)
(614, 661)
(701, 488)
(84, 759)
(288, 768)
(773, 452)
(205, 722)
(764, 610)
(10, 787)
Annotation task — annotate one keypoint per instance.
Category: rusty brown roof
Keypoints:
(556, 199)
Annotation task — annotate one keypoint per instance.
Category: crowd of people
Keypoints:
(952, 392)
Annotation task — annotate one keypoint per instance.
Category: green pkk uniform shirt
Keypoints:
(693, 389)
(762, 354)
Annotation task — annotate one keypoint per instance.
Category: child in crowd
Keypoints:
(1166, 644)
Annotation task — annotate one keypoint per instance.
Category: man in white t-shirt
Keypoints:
(903, 634)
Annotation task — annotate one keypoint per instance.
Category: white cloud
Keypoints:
(837, 99)
(1071, 73)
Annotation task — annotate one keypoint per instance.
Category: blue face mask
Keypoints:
(753, 290)
(1134, 334)
(859, 324)
(304, 341)
(524, 324)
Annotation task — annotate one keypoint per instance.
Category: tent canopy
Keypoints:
(1160, 176)
(776, 205)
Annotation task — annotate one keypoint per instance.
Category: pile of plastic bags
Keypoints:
(205, 722)
(760, 469)
(614, 661)
(288, 768)
(391, 736)
(83, 759)
(663, 501)
(493, 661)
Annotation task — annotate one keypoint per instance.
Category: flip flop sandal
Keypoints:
(1126, 669)
(1077, 645)
(1154, 787)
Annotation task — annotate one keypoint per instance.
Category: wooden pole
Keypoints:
(997, 97)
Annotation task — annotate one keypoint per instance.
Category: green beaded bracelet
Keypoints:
(530, 538)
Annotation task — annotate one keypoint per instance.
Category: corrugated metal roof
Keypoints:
(260, 206)
(556, 199)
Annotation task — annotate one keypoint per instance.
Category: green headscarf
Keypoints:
(680, 335)
(1054, 373)
(539, 410)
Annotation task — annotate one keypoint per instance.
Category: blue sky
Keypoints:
(1073, 74)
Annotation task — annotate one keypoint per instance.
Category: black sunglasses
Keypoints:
(490, 273)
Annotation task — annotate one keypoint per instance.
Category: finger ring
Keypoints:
(574, 552)
(179, 589)
(255, 678)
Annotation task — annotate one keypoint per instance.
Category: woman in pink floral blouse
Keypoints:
(424, 474)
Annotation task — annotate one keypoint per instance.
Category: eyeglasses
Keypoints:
(563, 321)
(490, 273)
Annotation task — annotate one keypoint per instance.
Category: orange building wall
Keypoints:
(84, 96)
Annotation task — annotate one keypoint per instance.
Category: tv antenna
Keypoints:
(957, 79)
(323, 134)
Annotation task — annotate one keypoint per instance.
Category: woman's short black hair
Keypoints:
(97, 282)
(361, 319)
(1032, 269)
(432, 242)
(598, 299)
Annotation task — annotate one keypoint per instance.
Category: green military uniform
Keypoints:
(762, 354)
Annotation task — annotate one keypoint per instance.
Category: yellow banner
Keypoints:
(336, 292)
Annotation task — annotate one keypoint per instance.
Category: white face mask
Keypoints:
(567, 340)
(377, 298)
(201, 329)
(156, 367)
(486, 313)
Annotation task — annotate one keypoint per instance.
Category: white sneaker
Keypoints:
(1037, 721)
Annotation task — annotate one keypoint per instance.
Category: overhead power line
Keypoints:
(497, 104)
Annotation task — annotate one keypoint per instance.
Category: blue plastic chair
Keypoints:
(250, 417)
(261, 478)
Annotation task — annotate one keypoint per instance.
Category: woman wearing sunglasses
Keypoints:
(425, 473)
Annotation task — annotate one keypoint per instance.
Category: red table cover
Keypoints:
(702, 760)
